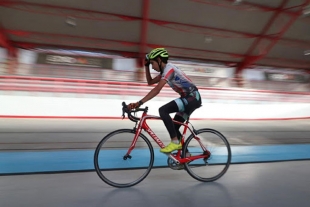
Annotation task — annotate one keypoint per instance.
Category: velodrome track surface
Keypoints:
(46, 134)
(269, 184)
(67, 145)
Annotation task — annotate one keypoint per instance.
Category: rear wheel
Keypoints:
(217, 159)
(118, 170)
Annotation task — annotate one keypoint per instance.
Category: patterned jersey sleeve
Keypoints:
(168, 75)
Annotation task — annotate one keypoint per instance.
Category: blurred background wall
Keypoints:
(49, 82)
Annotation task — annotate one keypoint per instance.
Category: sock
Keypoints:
(175, 141)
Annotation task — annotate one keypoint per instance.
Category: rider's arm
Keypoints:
(154, 91)
(150, 80)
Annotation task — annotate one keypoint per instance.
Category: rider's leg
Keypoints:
(164, 113)
(178, 118)
(188, 105)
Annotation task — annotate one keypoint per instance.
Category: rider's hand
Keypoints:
(146, 61)
(133, 105)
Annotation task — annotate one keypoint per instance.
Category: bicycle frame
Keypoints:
(177, 158)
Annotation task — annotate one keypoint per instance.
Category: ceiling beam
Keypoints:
(54, 38)
(249, 57)
(266, 28)
(246, 6)
(274, 39)
(5, 42)
(37, 8)
(229, 3)
(275, 62)
(47, 36)
(144, 28)
(25, 6)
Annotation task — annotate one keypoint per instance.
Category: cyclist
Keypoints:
(189, 96)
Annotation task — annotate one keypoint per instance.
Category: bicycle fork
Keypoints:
(133, 144)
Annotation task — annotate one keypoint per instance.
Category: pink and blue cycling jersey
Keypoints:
(177, 80)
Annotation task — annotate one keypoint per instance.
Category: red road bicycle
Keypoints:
(125, 157)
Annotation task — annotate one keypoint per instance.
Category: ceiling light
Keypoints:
(71, 21)
(306, 11)
(237, 2)
(208, 39)
(307, 52)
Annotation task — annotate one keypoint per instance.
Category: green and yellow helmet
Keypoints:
(161, 52)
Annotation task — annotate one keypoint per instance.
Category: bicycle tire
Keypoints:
(110, 164)
(218, 162)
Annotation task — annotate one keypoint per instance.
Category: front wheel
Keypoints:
(118, 170)
(217, 155)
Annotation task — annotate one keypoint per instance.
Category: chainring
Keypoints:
(173, 165)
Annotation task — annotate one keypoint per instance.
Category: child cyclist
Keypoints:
(185, 105)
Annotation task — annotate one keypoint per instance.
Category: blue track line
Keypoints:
(21, 162)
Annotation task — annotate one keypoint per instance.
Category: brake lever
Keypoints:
(124, 109)
(128, 111)
(123, 114)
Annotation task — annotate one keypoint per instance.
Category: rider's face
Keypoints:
(155, 65)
